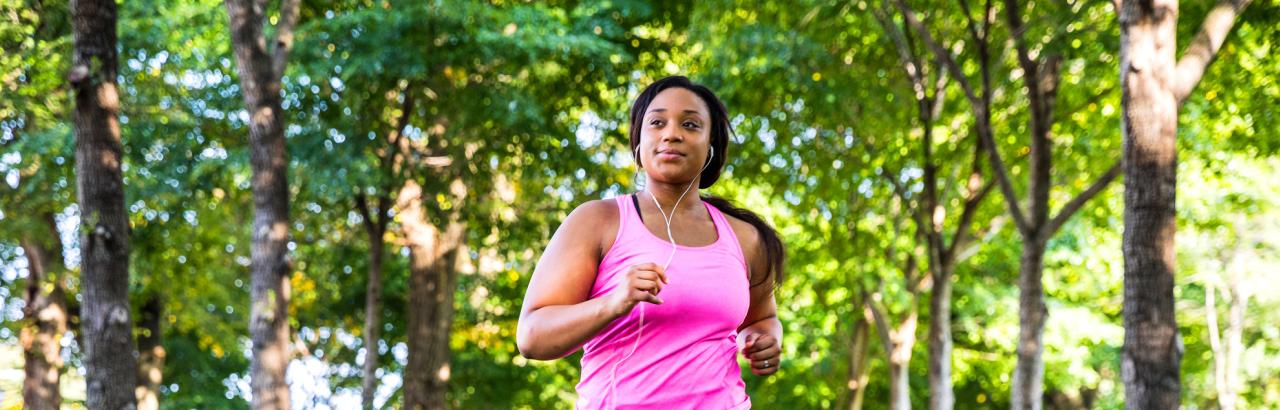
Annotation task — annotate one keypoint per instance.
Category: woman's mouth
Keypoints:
(670, 154)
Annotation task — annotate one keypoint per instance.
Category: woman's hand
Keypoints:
(763, 351)
(642, 283)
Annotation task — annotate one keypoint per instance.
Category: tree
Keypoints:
(1154, 86)
(260, 71)
(104, 232)
(1041, 78)
(47, 317)
(32, 114)
(929, 210)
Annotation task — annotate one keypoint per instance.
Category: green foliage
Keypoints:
(528, 102)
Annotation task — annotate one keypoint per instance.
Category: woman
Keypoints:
(660, 289)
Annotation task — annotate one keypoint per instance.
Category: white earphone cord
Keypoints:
(667, 219)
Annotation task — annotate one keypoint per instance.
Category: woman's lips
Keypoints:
(669, 155)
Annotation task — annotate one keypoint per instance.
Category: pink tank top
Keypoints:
(687, 353)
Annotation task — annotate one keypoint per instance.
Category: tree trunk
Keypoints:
(1028, 374)
(858, 363)
(151, 354)
(375, 225)
(1235, 342)
(899, 365)
(104, 240)
(1226, 359)
(46, 320)
(260, 70)
(433, 255)
(898, 341)
(1153, 88)
(940, 343)
(1152, 346)
(1226, 398)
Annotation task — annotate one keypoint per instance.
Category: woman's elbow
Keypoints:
(527, 346)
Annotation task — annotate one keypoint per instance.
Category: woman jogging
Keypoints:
(664, 287)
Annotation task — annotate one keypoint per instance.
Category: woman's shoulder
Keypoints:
(594, 212)
(596, 222)
(599, 216)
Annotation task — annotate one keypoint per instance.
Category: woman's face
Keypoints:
(675, 138)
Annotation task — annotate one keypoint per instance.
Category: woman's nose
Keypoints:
(672, 134)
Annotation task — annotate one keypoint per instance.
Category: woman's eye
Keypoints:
(690, 124)
(656, 123)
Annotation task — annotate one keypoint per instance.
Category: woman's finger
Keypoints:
(770, 353)
(762, 342)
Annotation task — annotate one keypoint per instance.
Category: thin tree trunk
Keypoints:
(1226, 358)
(1226, 399)
(46, 320)
(433, 272)
(111, 366)
(260, 70)
(1235, 342)
(151, 354)
(375, 225)
(1028, 373)
(859, 366)
(898, 341)
(899, 365)
(940, 343)
(1152, 346)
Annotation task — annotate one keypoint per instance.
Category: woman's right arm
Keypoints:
(557, 317)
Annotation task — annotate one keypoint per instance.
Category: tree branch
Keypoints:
(979, 110)
(362, 206)
(284, 36)
(1061, 115)
(910, 62)
(1076, 203)
(882, 323)
(966, 218)
(1204, 48)
(941, 52)
(1006, 185)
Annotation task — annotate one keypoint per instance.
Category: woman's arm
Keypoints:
(557, 317)
(760, 335)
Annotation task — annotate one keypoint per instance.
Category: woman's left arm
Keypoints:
(760, 335)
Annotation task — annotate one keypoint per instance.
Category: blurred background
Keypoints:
(435, 146)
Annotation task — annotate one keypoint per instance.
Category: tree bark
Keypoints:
(260, 70)
(940, 343)
(375, 224)
(433, 254)
(1154, 87)
(1152, 346)
(1028, 373)
(46, 319)
(111, 366)
(151, 354)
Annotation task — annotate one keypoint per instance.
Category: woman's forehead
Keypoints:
(678, 100)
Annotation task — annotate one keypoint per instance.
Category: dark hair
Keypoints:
(775, 253)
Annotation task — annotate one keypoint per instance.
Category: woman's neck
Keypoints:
(668, 194)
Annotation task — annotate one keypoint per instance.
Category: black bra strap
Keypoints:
(636, 202)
